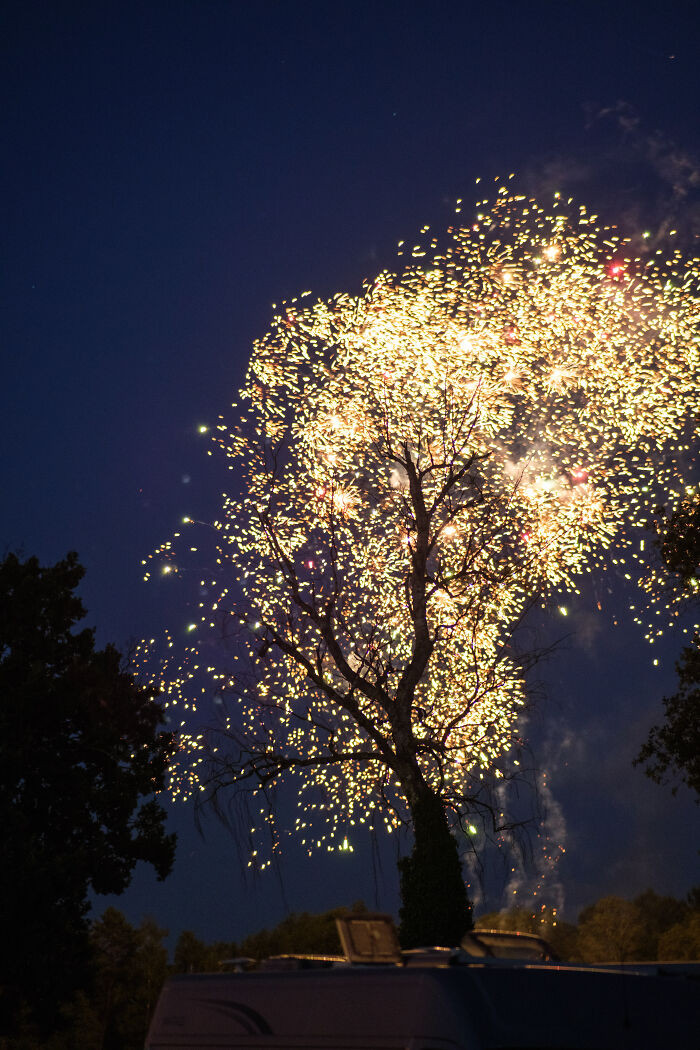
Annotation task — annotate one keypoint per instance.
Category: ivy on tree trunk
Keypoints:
(435, 908)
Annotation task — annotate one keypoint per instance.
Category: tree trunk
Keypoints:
(435, 909)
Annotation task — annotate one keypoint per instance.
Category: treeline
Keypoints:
(130, 963)
(649, 927)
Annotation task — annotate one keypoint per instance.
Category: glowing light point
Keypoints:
(617, 271)
(203, 428)
(467, 343)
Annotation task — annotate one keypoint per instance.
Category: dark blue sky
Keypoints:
(173, 168)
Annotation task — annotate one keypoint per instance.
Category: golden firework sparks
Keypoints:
(533, 357)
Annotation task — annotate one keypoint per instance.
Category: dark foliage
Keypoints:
(432, 872)
(300, 933)
(130, 966)
(679, 541)
(671, 753)
(192, 955)
(81, 760)
(660, 913)
(611, 929)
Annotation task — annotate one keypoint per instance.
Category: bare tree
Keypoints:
(385, 576)
(418, 466)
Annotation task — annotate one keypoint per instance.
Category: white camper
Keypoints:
(433, 1000)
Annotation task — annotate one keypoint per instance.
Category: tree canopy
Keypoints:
(671, 752)
(612, 929)
(82, 758)
(679, 542)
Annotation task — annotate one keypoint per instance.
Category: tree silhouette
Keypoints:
(387, 596)
(418, 465)
(671, 752)
(81, 759)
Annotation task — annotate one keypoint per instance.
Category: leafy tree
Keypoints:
(611, 930)
(81, 760)
(682, 941)
(563, 937)
(130, 967)
(300, 933)
(192, 955)
(660, 913)
(671, 753)
(82, 1028)
(127, 968)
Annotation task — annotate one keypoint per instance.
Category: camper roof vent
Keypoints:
(369, 938)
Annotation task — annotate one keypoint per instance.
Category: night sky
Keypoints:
(170, 170)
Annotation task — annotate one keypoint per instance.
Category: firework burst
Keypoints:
(419, 463)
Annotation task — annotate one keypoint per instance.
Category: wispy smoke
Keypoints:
(533, 881)
(647, 182)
